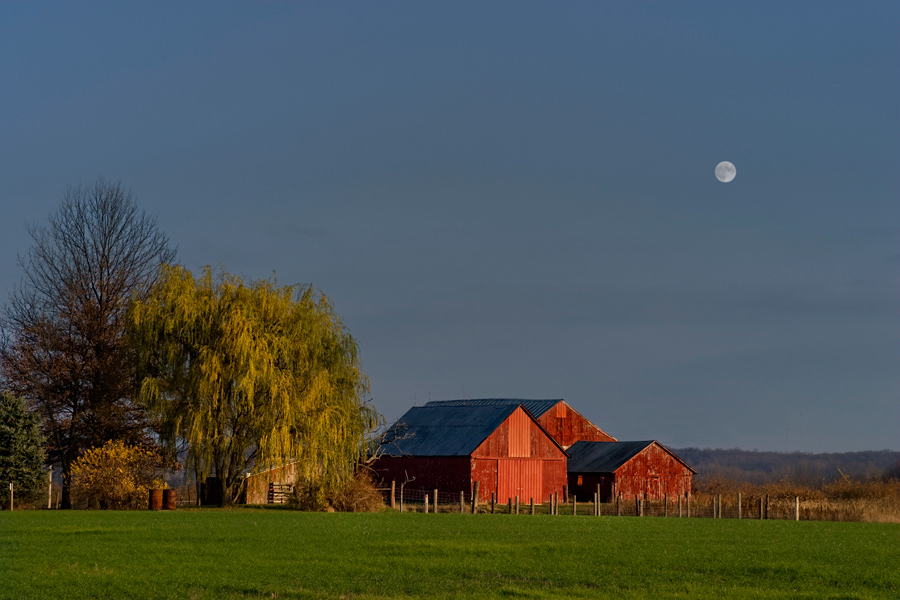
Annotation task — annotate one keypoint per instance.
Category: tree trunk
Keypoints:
(66, 500)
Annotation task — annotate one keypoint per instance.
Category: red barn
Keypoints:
(646, 469)
(560, 420)
(449, 448)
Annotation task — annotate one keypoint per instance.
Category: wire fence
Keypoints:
(704, 507)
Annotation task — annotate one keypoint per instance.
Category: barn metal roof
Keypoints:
(535, 407)
(602, 457)
(444, 430)
(606, 457)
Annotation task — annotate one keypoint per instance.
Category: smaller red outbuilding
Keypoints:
(645, 469)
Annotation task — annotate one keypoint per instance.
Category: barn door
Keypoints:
(519, 477)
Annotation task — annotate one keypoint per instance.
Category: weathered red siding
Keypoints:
(257, 491)
(520, 459)
(650, 474)
(567, 426)
(653, 473)
(484, 470)
(445, 473)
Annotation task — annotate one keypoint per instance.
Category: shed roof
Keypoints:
(535, 407)
(444, 430)
(602, 457)
(606, 457)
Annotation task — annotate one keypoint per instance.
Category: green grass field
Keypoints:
(246, 553)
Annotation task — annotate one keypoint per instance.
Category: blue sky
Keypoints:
(513, 199)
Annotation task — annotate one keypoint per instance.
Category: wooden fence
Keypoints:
(717, 507)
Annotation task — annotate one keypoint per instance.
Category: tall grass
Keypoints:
(876, 501)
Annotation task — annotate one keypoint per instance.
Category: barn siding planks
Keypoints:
(257, 491)
(567, 426)
(519, 434)
(519, 458)
(520, 477)
(445, 473)
(653, 473)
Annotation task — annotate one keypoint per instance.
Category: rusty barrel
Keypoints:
(170, 499)
(156, 500)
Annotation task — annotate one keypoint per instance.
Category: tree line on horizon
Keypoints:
(812, 469)
(108, 340)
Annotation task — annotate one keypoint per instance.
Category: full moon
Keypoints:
(725, 171)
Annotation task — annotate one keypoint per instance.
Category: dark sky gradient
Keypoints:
(514, 199)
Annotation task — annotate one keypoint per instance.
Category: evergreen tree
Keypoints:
(21, 448)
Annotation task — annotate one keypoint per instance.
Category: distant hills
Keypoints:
(756, 467)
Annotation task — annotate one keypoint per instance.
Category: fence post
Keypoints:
(462, 501)
(596, 504)
(435, 502)
(719, 500)
(509, 506)
(666, 502)
(575, 505)
(619, 505)
(10, 496)
(532, 505)
(554, 508)
(760, 507)
(517, 504)
(739, 505)
(767, 508)
(475, 498)
(493, 500)
(426, 504)
(796, 508)
(688, 502)
(393, 491)
(679, 506)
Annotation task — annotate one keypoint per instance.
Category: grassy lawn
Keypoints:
(247, 553)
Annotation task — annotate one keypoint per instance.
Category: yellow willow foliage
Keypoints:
(251, 375)
(115, 476)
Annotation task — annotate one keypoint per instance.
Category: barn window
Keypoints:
(579, 480)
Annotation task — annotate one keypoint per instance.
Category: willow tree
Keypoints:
(251, 376)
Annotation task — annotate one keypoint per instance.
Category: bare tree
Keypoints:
(62, 330)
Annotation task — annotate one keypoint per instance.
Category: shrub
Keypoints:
(358, 494)
(309, 496)
(116, 476)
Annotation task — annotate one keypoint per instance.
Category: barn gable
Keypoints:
(520, 436)
(561, 421)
